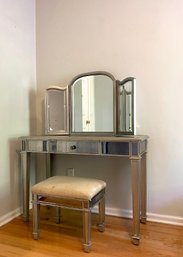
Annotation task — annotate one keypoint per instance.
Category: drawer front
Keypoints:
(116, 148)
(78, 147)
(65, 146)
(35, 146)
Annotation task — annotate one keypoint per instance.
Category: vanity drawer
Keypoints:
(78, 147)
(34, 146)
(115, 148)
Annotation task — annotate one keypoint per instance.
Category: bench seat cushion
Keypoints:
(69, 187)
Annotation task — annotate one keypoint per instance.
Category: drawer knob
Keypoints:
(73, 147)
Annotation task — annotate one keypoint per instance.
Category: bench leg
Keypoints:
(101, 225)
(36, 217)
(87, 230)
(58, 212)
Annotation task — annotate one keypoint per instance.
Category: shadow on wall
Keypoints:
(171, 205)
(14, 174)
(32, 112)
(16, 182)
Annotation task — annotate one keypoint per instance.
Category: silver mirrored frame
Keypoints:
(67, 107)
(95, 73)
(133, 106)
(64, 108)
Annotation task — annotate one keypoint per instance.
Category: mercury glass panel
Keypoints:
(56, 111)
(135, 149)
(118, 148)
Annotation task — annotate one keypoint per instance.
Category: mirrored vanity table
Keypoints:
(93, 115)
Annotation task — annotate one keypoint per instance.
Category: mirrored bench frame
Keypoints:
(132, 147)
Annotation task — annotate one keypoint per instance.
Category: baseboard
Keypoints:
(173, 220)
(9, 216)
(166, 219)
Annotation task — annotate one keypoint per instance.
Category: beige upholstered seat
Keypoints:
(71, 192)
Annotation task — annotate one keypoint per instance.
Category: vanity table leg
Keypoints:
(143, 190)
(136, 169)
(48, 165)
(25, 171)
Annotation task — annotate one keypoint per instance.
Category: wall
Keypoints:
(17, 98)
(140, 38)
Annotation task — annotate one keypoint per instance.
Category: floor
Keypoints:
(65, 239)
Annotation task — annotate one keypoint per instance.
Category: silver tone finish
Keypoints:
(104, 127)
(117, 111)
(136, 168)
(56, 111)
(58, 215)
(36, 215)
(25, 172)
(132, 147)
(78, 147)
(85, 207)
(48, 165)
(143, 182)
(126, 106)
(87, 230)
(101, 225)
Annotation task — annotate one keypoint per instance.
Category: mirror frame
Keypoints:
(116, 111)
(96, 133)
(118, 84)
(65, 107)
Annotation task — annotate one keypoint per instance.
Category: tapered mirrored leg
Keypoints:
(143, 190)
(48, 165)
(36, 217)
(25, 170)
(87, 230)
(58, 215)
(136, 169)
(101, 225)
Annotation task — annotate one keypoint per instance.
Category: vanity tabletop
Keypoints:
(124, 138)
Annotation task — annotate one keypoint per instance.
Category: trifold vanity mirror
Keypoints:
(93, 103)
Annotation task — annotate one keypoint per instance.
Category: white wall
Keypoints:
(17, 97)
(140, 38)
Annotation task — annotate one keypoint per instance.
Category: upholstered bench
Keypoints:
(76, 193)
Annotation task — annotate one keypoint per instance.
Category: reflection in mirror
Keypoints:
(56, 110)
(92, 107)
(126, 106)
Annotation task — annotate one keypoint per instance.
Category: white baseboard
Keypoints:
(9, 216)
(166, 219)
(174, 220)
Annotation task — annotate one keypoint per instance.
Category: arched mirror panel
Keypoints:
(92, 103)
